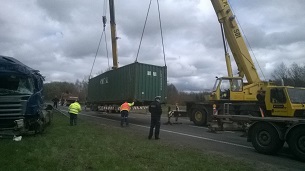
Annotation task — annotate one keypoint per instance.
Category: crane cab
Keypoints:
(227, 88)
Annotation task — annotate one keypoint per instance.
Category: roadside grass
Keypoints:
(90, 146)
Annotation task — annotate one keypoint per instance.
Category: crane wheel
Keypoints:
(296, 143)
(199, 116)
(265, 139)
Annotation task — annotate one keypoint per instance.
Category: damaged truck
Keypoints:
(21, 101)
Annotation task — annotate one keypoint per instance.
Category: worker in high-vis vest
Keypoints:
(124, 109)
(74, 109)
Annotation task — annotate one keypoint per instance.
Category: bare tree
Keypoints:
(281, 72)
(292, 76)
(172, 94)
(296, 73)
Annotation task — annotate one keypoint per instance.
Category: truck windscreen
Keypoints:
(296, 95)
(15, 84)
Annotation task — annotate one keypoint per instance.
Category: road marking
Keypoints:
(105, 118)
(230, 132)
(204, 138)
(100, 117)
(59, 110)
(65, 114)
(200, 127)
(179, 133)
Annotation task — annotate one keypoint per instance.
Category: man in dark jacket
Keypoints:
(156, 111)
(55, 101)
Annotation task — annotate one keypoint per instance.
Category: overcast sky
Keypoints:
(60, 37)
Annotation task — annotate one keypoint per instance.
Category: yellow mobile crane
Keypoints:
(276, 113)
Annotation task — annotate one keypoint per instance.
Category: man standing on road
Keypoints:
(74, 109)
(156, 111)
(124, 109)
(55, 101)
(177, 112)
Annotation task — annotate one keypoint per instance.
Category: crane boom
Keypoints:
(113, 35)
(270, 110)
(235, 40)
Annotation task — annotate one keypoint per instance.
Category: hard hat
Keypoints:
(158, 98)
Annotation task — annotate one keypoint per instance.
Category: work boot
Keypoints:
(157, 138)
(149, 137)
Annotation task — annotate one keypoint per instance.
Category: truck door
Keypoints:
(236, 92)
(278, 101)
(225, 89)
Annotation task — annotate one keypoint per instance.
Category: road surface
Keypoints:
(184, 134)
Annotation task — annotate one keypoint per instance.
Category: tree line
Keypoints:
(294, 75)
(58, 89)
(80, 89)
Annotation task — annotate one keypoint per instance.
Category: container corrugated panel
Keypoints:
(138, 81)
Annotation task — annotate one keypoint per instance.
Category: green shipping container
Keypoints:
(136, 81)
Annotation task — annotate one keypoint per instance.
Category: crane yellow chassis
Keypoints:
(276, 113)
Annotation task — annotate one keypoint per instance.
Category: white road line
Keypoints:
(100, 117)
(188, 135)
(204, 138)
(230, 132)
(65, 114)
(200, 127)
(208, 128)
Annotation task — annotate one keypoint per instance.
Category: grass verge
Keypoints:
(90, 146)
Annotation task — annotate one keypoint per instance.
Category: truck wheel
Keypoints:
(265, 139)
(200, 116)
(40, 125)
(296, 143)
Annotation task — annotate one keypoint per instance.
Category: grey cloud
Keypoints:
(60, 38)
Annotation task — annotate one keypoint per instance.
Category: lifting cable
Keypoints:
(103, 32)
(248, 43)
(160, 24)
(104, 24)
(143, 31)
(104, 17)
(251, 50)
(161, 32)
(224, 40)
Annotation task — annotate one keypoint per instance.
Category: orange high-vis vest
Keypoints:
(125, 106)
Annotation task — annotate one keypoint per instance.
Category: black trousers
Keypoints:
(73, 119)
(124, 117)
(154, 123)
